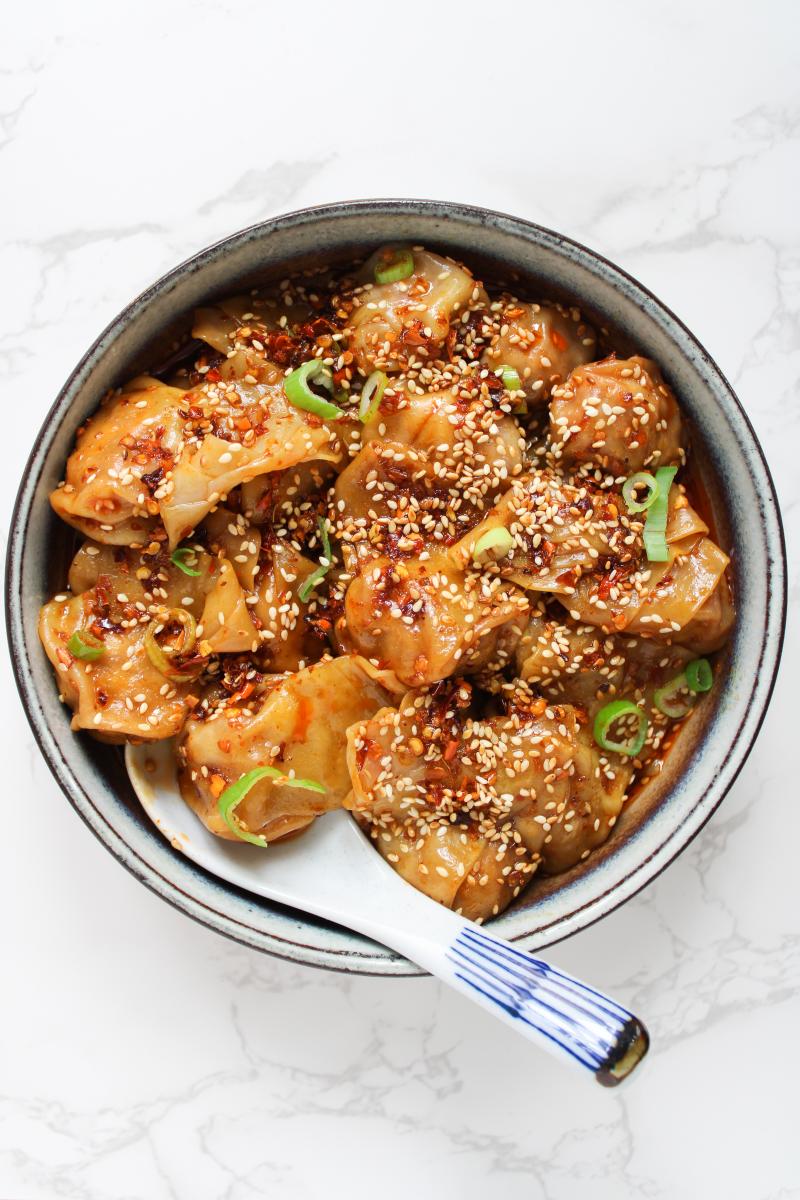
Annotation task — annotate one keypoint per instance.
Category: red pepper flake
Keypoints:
(450, 751)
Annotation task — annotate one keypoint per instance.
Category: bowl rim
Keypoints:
(676, 839)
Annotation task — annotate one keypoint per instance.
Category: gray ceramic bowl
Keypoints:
(710, 751)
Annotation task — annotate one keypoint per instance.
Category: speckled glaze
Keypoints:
(712, 748)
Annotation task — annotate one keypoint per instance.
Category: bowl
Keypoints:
(663, 818)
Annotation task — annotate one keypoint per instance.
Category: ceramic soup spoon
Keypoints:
(334, 873)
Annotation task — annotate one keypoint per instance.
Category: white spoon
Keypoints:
(334, 872)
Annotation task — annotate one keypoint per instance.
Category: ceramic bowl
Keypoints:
(662, 820)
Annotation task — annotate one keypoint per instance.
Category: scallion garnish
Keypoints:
(164, 656)
(655, 527)
(85, 645)
(511, 379)
(608, 716)
(233, 796)
(371, 396)
(494, 544)
(394, 263)
(630, 490)
(670, 702)
(305, 590)
(184, 558)
(298, 391)
(699, 675)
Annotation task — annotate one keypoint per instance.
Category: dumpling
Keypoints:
(425, 619)
(710, 627)
(552, 532)
(618, 413)
(153, 451)
(390, 324)
(541, 342)
(270, 572)
(662, 599)
(462, 430)
(391, 498)
(230, 325)
(121, 602)
(296, 723)
(124, 599)
(466, 808)
(237, 430)
(580, 665)
(576, 790)
(120, 460)
(399, 499)
(283, 499)
(428, 812)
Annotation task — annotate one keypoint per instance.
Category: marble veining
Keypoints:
(145, 1057)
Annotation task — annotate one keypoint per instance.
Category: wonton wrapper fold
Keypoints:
(294, 722)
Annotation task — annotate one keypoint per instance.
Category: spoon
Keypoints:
(334, 873)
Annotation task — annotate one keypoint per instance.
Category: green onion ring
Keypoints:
(394, 263)
(85, 645)
(655, 527)
(182, 557)
(296, 385)
(640, 479)
(371, 396)
(699, 675)
(667, 701)
(494, 544)
(606, 718)
(236, 792)
(163, 657)
(305, 590)
(511, 379)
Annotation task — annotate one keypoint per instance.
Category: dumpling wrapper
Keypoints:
(207, 470)
(618, 413)
(542, 343)
(111, 599)
(527, 789)
(392, 323)
(121, 455)
(297, 723)
(559, 529)
(664, 600)
(426, 620)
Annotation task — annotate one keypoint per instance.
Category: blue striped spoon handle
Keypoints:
(564, 1015)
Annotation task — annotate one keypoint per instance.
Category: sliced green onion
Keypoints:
(611, 713)
(305, 590)
(184, 558)
(371, 396)
(394, 263)
(164, 658)
(655, 527)
(630, 487)
(511, 379)
(699, 675)
(669, 701)
(494, 544)
(297, 383)
(85, 645)
(233, 796)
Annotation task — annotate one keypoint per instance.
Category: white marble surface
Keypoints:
(145, 1057)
